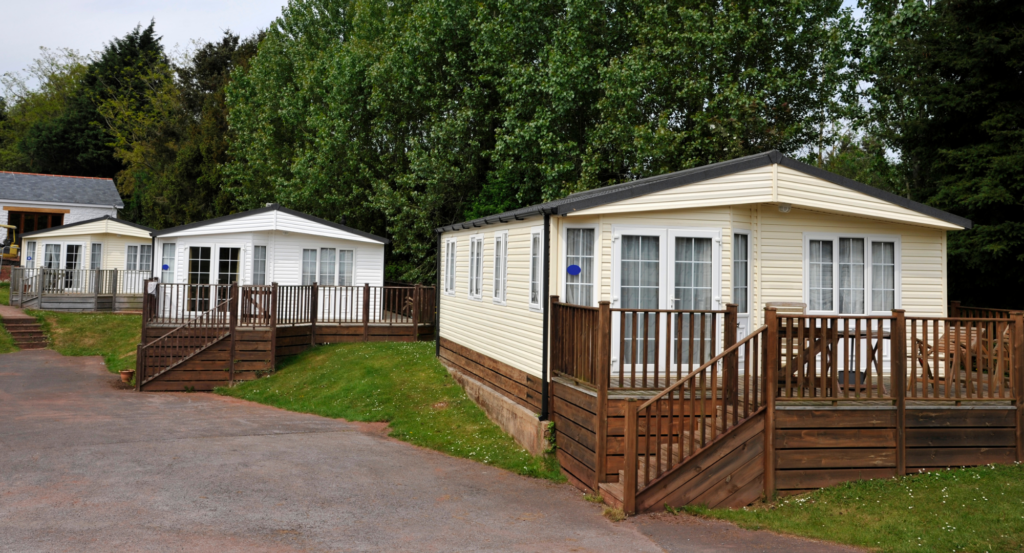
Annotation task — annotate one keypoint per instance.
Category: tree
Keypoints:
(403, 116)
(945, 93)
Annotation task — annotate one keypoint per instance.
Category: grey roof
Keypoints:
(618, 192)
(87, 221)
(273, 207)
(58, 189)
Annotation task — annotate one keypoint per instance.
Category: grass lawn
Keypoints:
(112, 336)
(973, 509)
(399, 383)
(6, 341)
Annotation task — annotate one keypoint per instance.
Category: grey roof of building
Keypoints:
(618, 192)
(58, 189)
(273, 207)
(87, 221)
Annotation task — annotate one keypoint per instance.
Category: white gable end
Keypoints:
(269, 221)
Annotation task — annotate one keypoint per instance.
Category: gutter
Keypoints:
(547, 314)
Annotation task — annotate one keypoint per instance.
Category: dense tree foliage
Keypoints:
(946, 95)
(402, 116)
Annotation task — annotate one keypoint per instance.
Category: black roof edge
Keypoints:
(272, 207)
(93, 220)
(697, 174)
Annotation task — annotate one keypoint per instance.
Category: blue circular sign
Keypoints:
(167, 267)
(574, 270)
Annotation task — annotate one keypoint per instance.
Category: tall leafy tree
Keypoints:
(946, 82)
(401, 116)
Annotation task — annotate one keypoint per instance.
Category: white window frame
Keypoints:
(476, 267)
(333, 273)
(499, 292)
(539, 305)
(30, 254)
(750, 271)
(302, 265)
(255, 259)
(346, 278)
(868, 240)
(451, 272)
(93, 247)
(138, 256)
(564, 266)
(172, 267)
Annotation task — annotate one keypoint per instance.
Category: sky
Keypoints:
(87, 25)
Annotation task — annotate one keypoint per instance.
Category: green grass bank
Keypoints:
(401, 384)
(114, 337)
(973, 509)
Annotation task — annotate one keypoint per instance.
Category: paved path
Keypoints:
(88, 466)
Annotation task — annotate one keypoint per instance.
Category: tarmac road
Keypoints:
(88, 466)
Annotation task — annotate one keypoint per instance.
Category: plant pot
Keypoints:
(126, 376)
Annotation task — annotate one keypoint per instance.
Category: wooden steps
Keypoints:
(26, 331)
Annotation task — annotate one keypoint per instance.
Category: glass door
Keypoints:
(227, 270)
(637, 284)
(72, 264)
(693, 289)
(199, 278)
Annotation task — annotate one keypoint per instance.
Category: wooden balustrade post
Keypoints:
(954, 309)
(1017, 374)
(602, 369)
(366, 311)
(314, 301)
(273, 325)
(232, 327)
(771, 320)
(898, 378)
(730, 374)
(629, 483)
(140, 366)
(417, 293)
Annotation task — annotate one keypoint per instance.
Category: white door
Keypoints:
(72, 266)
(661, 269)
(741, 282)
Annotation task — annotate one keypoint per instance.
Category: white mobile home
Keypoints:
(270, 244)
(749, 232)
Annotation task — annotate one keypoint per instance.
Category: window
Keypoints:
(167, 263)
(500, 265)
(132, 261)
(146, 258)
(346, 268)
(476, 266)
(328, 258)
(851, 276)
(51, 256)
(843, 279)
(536, 253)
(449, 266)
(579, 264)
(820, 275)
(95, 256)
(259, 265)
(227, 265)
(30, 255)
(883, 276)
(199, 263)
(741, 272)
(308, 267)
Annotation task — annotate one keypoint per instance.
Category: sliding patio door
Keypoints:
(663, 269)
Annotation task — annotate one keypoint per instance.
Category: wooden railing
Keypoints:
(959, 311)
(256, 305)
(650, 348)
(683, 419)
(962, 359)
(178, 303)
(296, 304)
(79, 282)
(185, 340)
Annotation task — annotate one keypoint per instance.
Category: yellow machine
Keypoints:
(9, 249)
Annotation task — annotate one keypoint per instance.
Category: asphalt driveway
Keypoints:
(87, 466)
